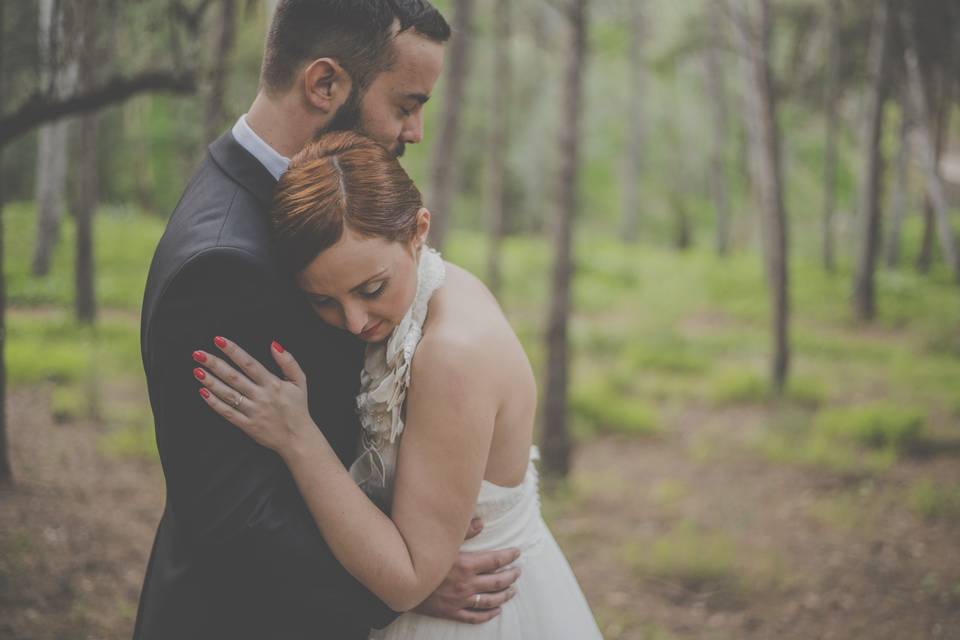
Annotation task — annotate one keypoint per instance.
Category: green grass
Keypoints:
(935, 501)
(601, 407)
(874, 426)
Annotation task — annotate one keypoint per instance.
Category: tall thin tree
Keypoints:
(630, 218)
(900, 187)
(927, 148)
(6, 470)
(555, 436)
(497, 147)
(720, 113)
(224, 30)
(58, 73)
(444, 174)
(753, 27)
(87, 174)
(830, 104)
(871, 177)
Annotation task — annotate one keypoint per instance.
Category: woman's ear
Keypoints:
(326, 85)
(423, 228)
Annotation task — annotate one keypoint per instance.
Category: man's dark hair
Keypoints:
(356, 33)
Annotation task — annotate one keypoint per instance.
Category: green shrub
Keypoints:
(878, 426)
(68, 403)
(738, 387)
(600, 408)
(697, 560)
(132, 441)
(935, 501)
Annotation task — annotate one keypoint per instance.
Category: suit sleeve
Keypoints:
(229, 496)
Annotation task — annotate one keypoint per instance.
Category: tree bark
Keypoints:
(52, 142)
(929, 156)
(6, 470)
(719, 110)
(766, 171)
(555, 437)
(444, 175)
(215, 113)
(871, 177)
(898, 198)
(629, 226)
(497, 148)
(87, 177)
(831, 86)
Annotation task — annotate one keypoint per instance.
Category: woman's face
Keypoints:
(364, 285)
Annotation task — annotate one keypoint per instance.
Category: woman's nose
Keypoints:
(354, 319)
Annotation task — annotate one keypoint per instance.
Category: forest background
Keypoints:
(725, 232)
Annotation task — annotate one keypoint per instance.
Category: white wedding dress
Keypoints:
(549, 604)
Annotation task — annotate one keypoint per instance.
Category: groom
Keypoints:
(237, 554)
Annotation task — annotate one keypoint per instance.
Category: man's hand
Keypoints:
(476, 587)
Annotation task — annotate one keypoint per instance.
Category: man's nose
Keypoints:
(413, 129)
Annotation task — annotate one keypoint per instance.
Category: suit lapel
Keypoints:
(242, 167)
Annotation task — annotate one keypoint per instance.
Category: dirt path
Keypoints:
(800, 555)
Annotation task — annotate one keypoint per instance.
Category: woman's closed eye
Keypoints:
(374, 289)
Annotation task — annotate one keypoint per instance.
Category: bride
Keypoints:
(447, 402)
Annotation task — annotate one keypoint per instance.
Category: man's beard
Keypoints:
(348, 118)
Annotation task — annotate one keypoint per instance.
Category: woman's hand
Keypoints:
(272, 411)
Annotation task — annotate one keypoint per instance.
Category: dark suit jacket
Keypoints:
(237, 554)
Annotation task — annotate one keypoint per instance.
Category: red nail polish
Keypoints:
(276, 347)
(204, 392)
(220, 342)
(200, 356)
(199, 373)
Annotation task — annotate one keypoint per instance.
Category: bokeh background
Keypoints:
(725, 232)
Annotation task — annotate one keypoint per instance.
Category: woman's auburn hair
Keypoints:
(342, 179)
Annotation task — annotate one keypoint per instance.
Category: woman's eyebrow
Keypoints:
(370, 279)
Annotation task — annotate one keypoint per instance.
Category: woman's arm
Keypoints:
(450, 417)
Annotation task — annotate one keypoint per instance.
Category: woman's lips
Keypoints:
(367, 333)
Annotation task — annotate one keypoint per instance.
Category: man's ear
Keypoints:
(326, 85)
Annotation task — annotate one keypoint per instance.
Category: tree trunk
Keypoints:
(6, 471)
(830, 144)
(764, 142)
(555, 437)
(929, 154)
(719, 110)
(444, 175)
(898, 198)
(52, 142)
(87, 177)
(497, 147)
(634, 156)
(939, 99)
(215, 115)
(871, 177)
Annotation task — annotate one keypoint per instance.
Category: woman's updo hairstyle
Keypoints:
(341, 180)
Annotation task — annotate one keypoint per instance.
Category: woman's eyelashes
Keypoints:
(374, 290)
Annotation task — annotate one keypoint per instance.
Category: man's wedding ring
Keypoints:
(240, 399)
(476, 601)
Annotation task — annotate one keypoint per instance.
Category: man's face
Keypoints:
(391, 110)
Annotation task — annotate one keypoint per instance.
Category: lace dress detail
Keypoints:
(383, 388)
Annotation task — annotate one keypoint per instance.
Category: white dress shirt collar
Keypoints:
(275, 163)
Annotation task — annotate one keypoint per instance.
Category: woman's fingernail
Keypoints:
(204, 393)
(276, 347)
(220, 342)
(200, 356)
(199, 373)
